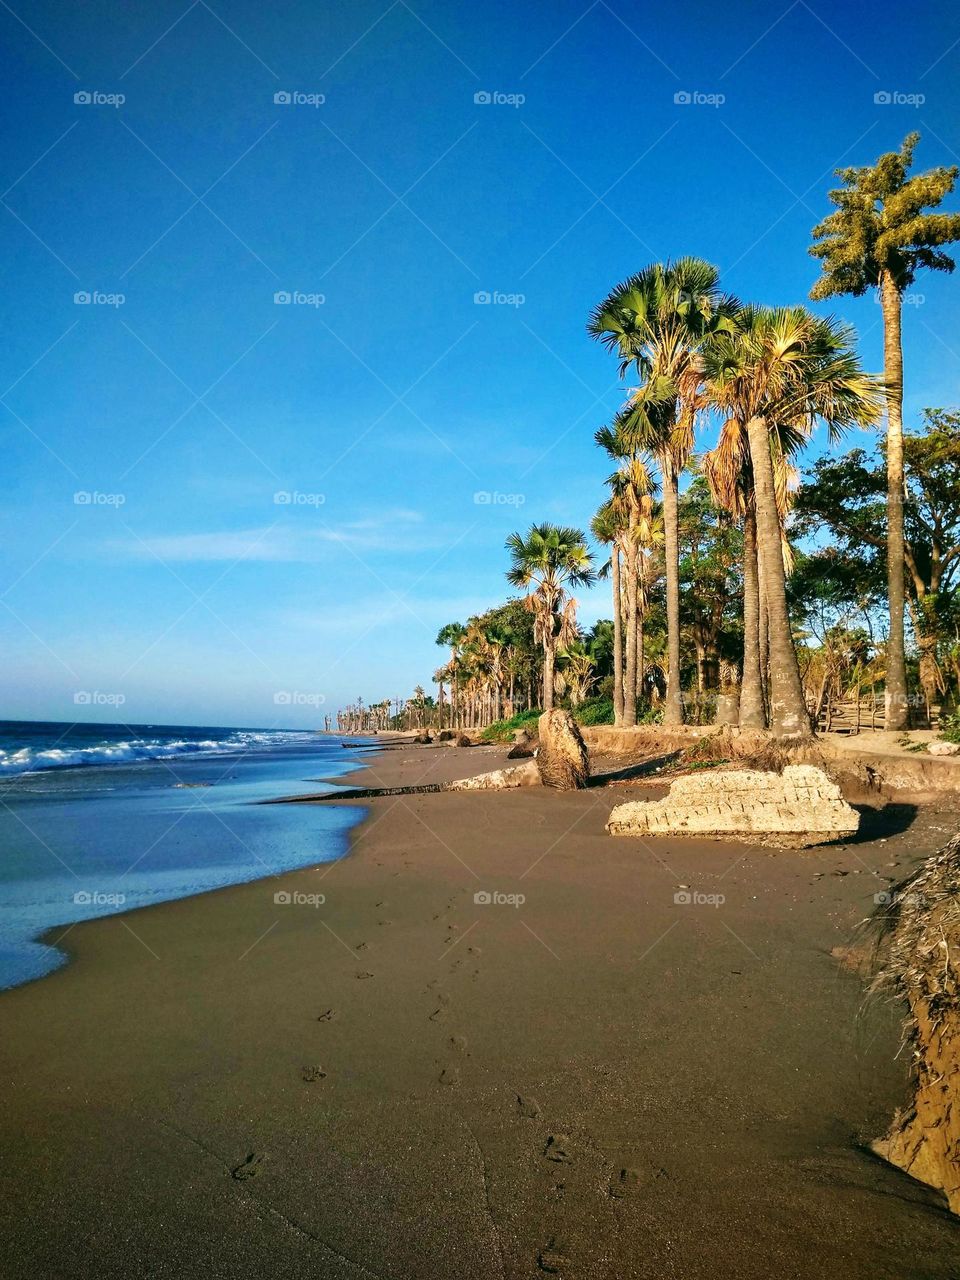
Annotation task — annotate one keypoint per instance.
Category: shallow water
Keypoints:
(81, 842)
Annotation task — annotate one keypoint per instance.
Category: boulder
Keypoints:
(944, 748)
(523, 746)
(799, 807)
(561, 756)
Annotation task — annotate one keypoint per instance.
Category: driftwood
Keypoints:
(561, 757)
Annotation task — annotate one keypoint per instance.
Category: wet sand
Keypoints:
(406, 1083)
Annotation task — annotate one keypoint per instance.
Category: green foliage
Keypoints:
(594, 711)
(881, 225)
(503, 730)
(950, 727)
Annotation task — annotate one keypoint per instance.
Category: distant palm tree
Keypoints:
(775, 375)
(548, 560)
(658, 320)
(879, 237)
(452, 636)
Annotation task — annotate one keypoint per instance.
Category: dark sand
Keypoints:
(597, 1083)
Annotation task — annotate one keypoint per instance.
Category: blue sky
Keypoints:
(382, 398)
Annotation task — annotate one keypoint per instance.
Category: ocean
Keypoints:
(96, 819)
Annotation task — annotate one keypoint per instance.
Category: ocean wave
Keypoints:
(130, 751)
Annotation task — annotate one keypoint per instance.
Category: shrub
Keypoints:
(503, 730)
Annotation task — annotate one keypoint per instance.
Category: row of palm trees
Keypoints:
(764, 377)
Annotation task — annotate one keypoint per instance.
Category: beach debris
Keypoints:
(561, 757)
(944, 748)
(528, 1107)
(422, 740)
(800, 807)
(363, 973)
(463, 741)
(328, 1015)
(523, 745)
(248, 1168)
(918, 922)
(522, 775)
(311, 1075)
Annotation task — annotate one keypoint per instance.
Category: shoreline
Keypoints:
(591, 1075)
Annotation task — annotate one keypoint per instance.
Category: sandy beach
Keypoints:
(580, 1077)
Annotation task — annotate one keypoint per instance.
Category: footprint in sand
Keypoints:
(362, 946)
(558, 1149)
(474, 951)
(310, 1075)
(328, 1015)
(384, 922)
(552, 1257)
(624, 1183)
(363, 973)
(248, 1168)
(449, 1076)
(458, 1044)
(528, 1107)
(442, 1009)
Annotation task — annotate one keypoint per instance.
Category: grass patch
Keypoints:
(503, 730)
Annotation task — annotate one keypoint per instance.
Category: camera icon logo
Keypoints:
(83, 898)
(482, 298)
(483, 898)
(682, 898)
(282, 898)
(883, 98)
(82, 298)
(83, 98)
(483, 98)
(282, 699)
(82, 698)
(282, 298)
(682, 98)
(282, 98)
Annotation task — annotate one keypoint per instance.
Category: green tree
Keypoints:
(880, 235)
(548, 560)
(658, 322)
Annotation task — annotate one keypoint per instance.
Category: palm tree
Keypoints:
(879, 236)
(549, 559)
(772, 378)
(606, 527)
(452, 636)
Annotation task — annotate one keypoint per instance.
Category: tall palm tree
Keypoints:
(548, 560)
(452, 636)
(777, 373)
(606, 526)
(631, 502)
(658, 321)
(879, 236)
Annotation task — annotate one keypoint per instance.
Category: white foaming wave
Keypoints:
(27, 760)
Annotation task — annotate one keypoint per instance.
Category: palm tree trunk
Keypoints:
(764, 630)
(752, 714)
(630, 622)
(548, 646)
(673, 705)
(641, 674)
(896, 681)
(788, 709)
(617, 636)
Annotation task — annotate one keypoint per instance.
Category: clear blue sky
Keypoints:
(397, 399)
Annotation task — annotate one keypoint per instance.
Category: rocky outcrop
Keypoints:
(561, 756)
(799, 807)
(919, 959)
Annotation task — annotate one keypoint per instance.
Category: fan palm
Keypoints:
(772, 378)
(452, 636)
(879, 236)
(607, 527)
(546, 561)
(658, 321)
